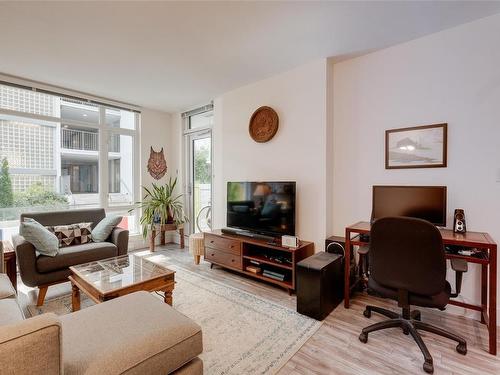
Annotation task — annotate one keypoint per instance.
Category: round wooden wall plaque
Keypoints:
(263, 124)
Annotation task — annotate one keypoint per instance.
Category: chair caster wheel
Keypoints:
(416, 315)
(367, 313)
(462, 349)
(428, 367)
(406, 331)
(363, 337)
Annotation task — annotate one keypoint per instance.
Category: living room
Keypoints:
(173, 124)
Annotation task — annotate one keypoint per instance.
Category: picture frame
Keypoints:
(417, 147)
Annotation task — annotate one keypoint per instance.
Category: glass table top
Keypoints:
(119, 272)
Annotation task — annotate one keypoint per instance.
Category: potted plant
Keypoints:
(160, 207)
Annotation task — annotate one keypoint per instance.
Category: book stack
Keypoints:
(274, 275)
(254, 269)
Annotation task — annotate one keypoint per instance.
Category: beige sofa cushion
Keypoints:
(78, 254)
(10, 312)
(6, 288)
(129, 333)
(31, 346)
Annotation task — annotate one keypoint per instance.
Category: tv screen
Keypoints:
(423, 202)
(262, 207)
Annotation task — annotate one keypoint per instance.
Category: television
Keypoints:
(423, 202)
(266, 208)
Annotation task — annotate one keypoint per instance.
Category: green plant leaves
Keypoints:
(159, 203)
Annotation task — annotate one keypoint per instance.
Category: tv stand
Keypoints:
(237, 252)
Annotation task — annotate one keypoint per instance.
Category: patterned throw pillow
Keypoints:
(72, 234)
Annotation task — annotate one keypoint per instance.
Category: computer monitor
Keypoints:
(423, 202)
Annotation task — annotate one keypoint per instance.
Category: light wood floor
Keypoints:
(335, 348)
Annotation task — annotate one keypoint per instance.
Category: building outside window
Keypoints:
(55, 150)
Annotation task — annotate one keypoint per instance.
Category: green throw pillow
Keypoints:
(41, 238)
(104, 228)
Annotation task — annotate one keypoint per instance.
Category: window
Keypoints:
(53, 155)
(201, 120)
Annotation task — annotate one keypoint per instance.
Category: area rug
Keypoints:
(242, 333)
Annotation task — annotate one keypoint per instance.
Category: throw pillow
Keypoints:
(103, 229)
(40, 237)
(72, 234)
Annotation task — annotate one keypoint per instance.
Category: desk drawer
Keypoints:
(222, 258)
(224, 244)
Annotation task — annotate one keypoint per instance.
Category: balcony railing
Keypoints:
(79, 140)
(85, 140)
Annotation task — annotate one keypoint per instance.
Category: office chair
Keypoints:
(407, 264)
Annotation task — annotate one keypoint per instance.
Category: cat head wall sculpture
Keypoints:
(157, 165)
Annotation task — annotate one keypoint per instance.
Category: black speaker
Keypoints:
(320, 284)
(336, 245)
(459, 221)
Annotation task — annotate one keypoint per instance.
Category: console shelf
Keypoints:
(238, 252)
(262, 259)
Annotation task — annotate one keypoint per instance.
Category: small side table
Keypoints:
(9, 258)
(196, 246)
(162, 229)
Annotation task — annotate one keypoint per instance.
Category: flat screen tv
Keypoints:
(423, 202)
(266, 208)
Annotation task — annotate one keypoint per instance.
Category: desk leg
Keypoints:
(347, 267)
(492, 328)
(484, 290)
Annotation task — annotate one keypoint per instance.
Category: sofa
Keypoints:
(41, 271)
(134, 334)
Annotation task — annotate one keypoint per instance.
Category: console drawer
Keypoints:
(224, 244)
(222, 258)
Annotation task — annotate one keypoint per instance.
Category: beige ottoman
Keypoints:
(196, 246)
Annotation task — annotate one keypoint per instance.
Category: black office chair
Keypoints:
(407, 264)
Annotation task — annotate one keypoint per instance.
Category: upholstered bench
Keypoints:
(134, 334)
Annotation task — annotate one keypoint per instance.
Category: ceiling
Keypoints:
(175, 55)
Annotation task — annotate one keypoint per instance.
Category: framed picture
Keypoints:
(416, 147)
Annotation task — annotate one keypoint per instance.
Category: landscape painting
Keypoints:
(416, 147)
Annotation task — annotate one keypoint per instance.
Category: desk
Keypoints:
(488, 307)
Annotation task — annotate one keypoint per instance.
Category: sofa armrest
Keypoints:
(119, 237)
(26, 260)
(32, 346)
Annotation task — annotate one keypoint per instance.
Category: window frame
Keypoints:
(104, 133)
(189, 136)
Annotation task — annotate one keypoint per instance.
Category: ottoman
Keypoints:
(196, 246)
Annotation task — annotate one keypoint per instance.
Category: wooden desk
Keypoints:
(483, 241)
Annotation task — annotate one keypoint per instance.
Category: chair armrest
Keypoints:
(459, 266)
(26, 259)
(119, 237)
(32, 346)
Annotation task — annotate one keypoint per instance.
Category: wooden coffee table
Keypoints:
(106, 279)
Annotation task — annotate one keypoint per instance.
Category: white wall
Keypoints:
(156, 130)
(452, 76)
(296, 153)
